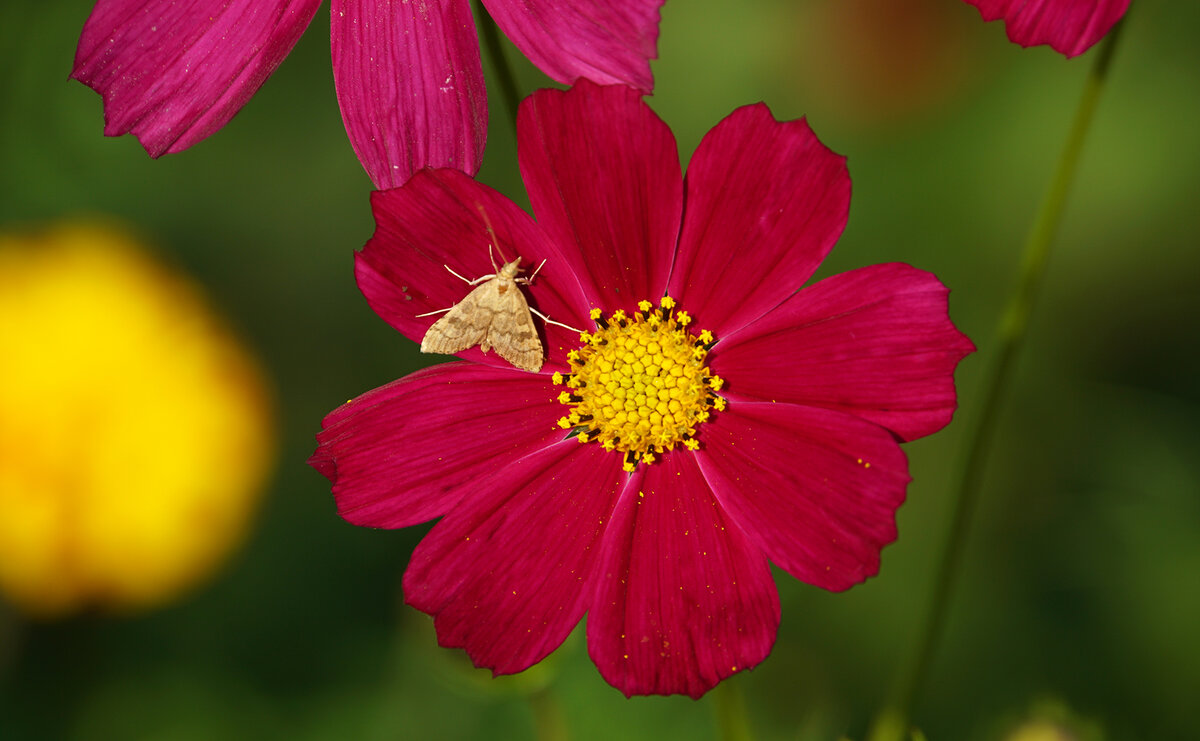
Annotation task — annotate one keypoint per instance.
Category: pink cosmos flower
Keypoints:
(1070, 27)
(408, 75)
(714, 417)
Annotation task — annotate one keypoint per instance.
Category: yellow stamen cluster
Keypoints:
(640, 384)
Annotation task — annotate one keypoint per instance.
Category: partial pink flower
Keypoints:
(1070, 27)
(408, 75)
(715, 416)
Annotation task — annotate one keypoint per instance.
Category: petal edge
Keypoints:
(173, 73)
(410, 86)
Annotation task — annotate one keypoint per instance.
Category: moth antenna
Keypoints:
(487, 222)
(548, 320)
(435, 311)
(475, 282)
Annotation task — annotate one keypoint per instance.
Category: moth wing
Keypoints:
(512, 332)
(465, 325)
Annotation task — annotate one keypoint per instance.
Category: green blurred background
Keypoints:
(1080, 588)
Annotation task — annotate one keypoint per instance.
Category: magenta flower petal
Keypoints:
(507, 574)
(685, 599)
(816, 490)
(602, 171)
(697, 458)
(1070, 27)
(406, 452)
(173, 72)
(605, 41)
(766, 201)
(442, 218)
(410, 86)
(875, 342)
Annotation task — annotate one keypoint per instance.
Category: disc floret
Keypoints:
(639, 384)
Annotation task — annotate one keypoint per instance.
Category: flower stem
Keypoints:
(549, 723)
(504, 73)
(729, 707)
(892, 724)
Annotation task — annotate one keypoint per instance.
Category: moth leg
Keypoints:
(548, 320)
(529, 280)
(475, 282)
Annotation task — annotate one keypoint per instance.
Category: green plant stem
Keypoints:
(892, 724)
(504, 73)
(549, 723)
(729, 707)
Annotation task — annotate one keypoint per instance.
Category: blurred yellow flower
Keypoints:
(135, 431)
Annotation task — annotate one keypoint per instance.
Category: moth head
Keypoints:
(510, 269)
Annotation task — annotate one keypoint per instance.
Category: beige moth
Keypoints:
(494, 314)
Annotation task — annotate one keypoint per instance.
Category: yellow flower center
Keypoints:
(640, 384)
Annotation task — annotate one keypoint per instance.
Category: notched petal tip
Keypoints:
(1070, 27)
(772, 187)
(603, 175)
(406, 452)
(442, 221)
(684, 599)
(605, 41)
(876, 342)
(816, 490)
(324, 463)
(174, 73)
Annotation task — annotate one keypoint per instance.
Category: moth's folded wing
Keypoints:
(513, 335)
(464, 326)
